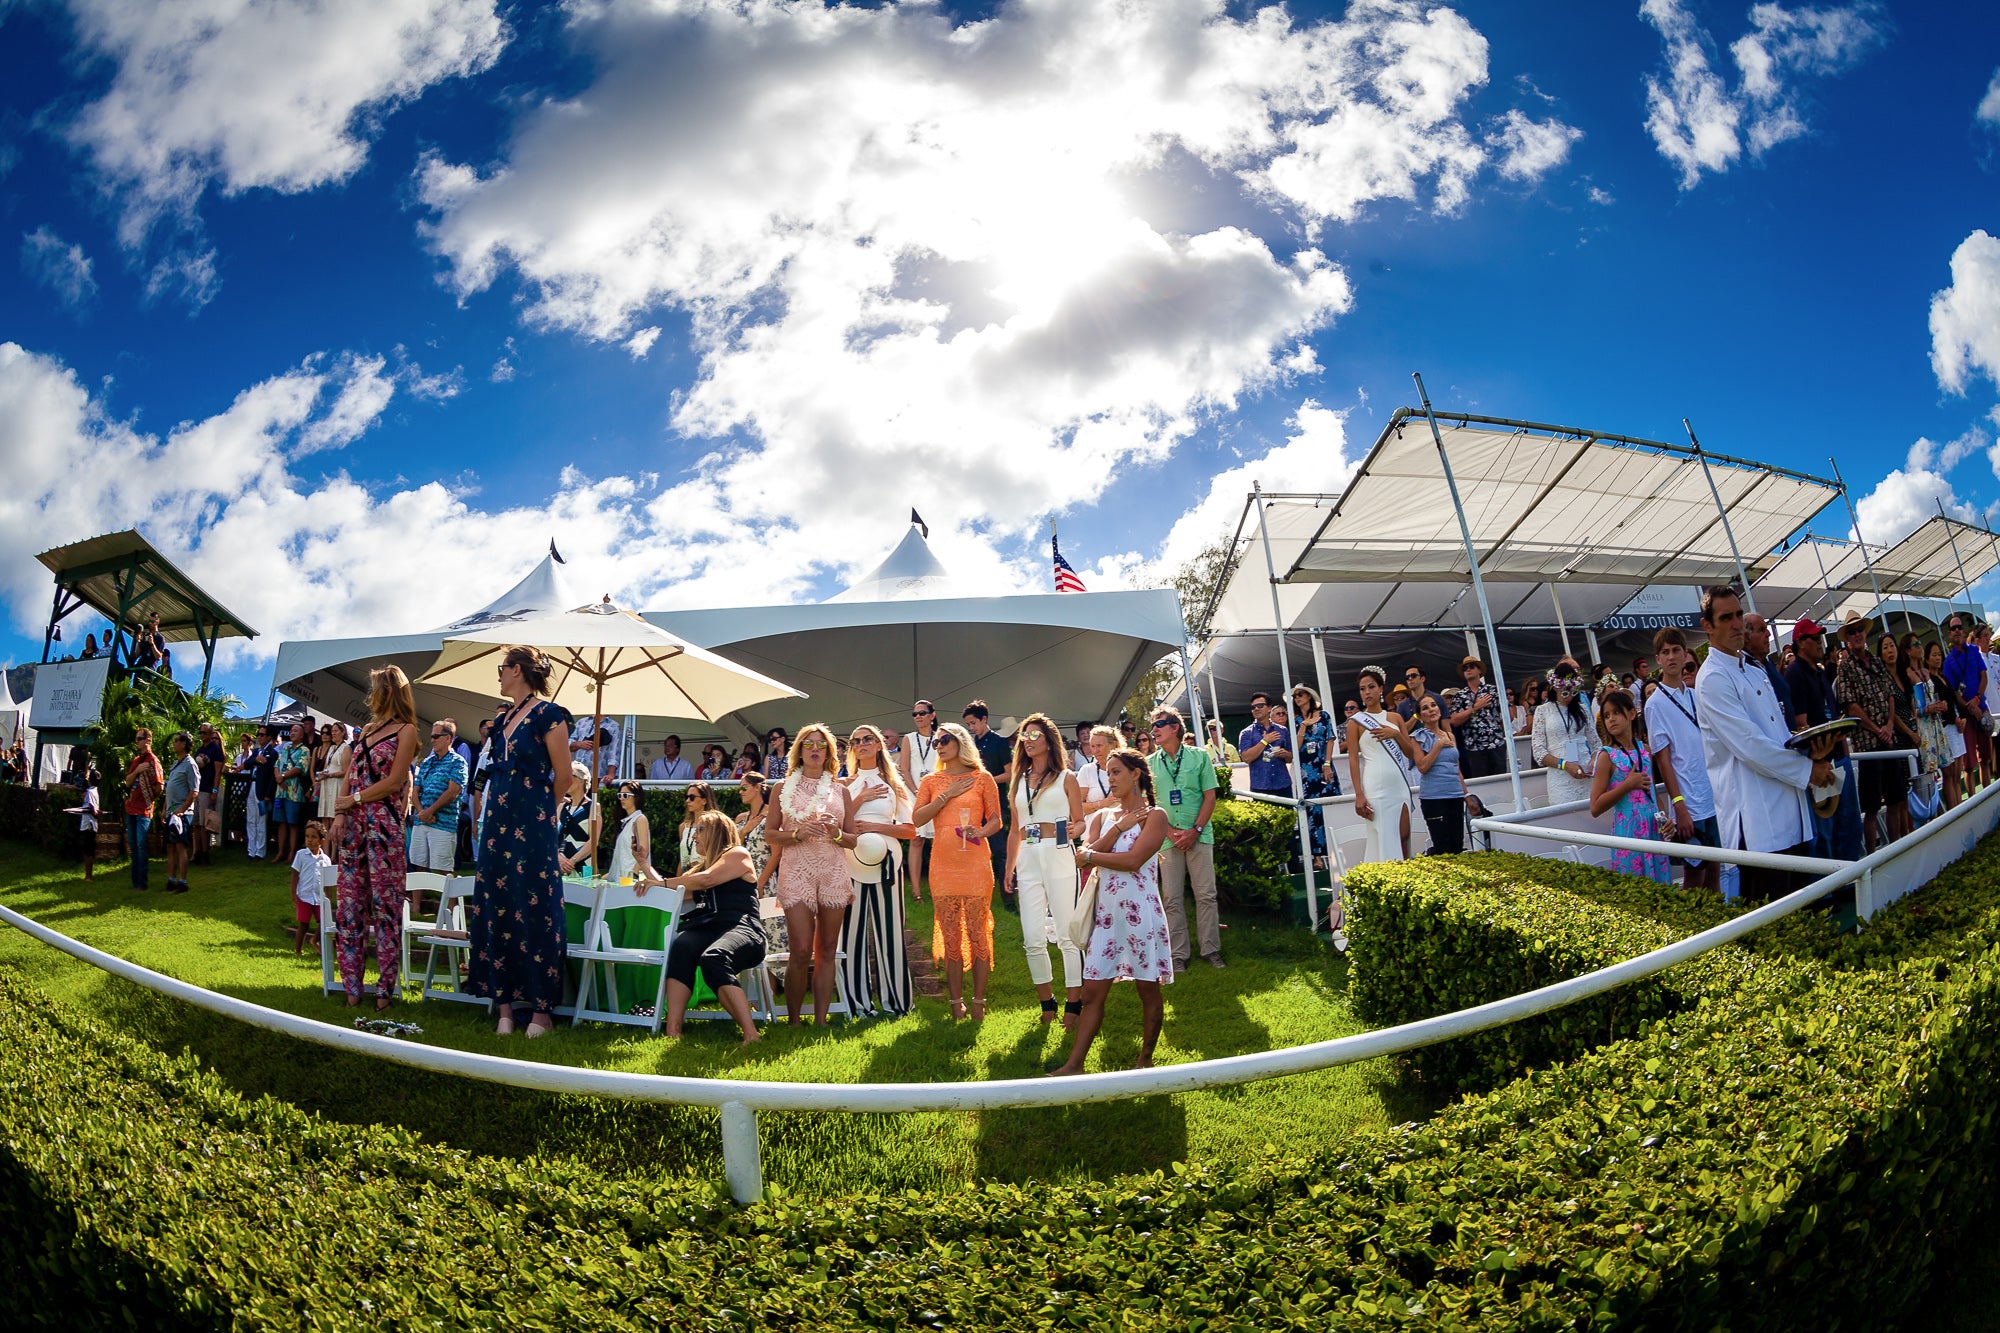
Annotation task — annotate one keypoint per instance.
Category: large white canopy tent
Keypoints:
(1569, 525)
(1824, 578)
(331, 675)
(908, 631)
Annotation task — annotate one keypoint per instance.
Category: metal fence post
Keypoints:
(742, 1157)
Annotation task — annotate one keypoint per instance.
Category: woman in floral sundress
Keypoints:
(515, 919)
(1129, 941)
(1623, 784)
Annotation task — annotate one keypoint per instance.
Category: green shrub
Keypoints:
(20, 812)
(1785, 1141)
(1254, 844)
(58, 832)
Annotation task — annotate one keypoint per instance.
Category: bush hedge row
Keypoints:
(1783, 1136)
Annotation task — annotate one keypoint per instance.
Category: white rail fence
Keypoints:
(1885, 874)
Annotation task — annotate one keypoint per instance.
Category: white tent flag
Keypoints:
(603, 655)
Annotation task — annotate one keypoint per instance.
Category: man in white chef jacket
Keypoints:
(1759, 782)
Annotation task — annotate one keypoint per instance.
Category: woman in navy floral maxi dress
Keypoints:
(516, 919)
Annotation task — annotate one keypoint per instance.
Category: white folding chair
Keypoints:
(447, 935)
(329, 938)
(761, 985)
(600, 956)
(584, 894)
(417, 917)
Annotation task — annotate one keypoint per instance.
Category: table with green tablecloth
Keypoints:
(636, 927)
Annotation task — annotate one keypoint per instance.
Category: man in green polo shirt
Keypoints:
(1184, 785)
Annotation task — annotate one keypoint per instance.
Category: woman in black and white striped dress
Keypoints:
(875, 963)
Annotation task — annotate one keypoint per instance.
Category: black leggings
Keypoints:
(718, 949)
(1446, 819)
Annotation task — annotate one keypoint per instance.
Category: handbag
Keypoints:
(1083, 917)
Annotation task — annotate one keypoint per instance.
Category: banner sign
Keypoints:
(68, 695)
(1657, 607)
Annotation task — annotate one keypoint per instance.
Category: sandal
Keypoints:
(382, 1003)
(1048, 1011)
(505, 1027)
(978, 1010)
(957, 1010)
(544, 1029)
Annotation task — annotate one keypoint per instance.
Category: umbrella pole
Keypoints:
(597, 733)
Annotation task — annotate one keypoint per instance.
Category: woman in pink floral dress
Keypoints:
(368, 838)
(1129, 941)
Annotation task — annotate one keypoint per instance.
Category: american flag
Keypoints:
(1066, 579)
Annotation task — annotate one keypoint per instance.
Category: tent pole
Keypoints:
(1825, 579)
(1964, 584)
(1866, 559)
(1214, 699)
(1194, 698)
(1478, 580)
(1325, 677)
(1561, 624)
(1285, 669)
(1742, 575)
(1596, 654)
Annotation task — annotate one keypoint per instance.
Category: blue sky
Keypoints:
(352, 308)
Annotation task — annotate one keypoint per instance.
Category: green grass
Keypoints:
(232, 934)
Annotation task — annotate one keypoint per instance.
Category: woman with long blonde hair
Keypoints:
(877, 966)
(1048, 810)
(962, 800)
(374, 868)
(724, 942)
(813, 824)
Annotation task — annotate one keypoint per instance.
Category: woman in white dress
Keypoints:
(632, 850)
(1129, 940)
(332, 776)
(1041, 864)
(871, 937)
(1381, 785)
(1565, 735)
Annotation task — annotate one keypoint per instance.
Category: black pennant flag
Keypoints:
(555, 554)
(922, 526)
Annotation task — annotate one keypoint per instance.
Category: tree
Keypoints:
(160, 706)
(1196, 581)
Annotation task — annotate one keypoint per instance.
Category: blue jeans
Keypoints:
(137, 827)
(1838, 836)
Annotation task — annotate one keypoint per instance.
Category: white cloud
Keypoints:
(298, 555)
(1989, 105)
(1965, 317)
(1013, 256)
(1601, 197)
(1314, 458)
(1903, 500)
(272, 94)
(642, 342)
(1699, 123)
(1530, 149)
(59, 266)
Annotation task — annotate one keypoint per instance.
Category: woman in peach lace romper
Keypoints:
(811, 821)
(963, 803)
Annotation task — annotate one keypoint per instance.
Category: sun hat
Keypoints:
(869, 851)
(1854, 620)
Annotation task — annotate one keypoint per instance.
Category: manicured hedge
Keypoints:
(1787, 1139)
(1254, 848)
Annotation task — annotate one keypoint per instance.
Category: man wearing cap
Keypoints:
(1760, 782)
(1813, 703)
(1864, 691)
(1679, 757)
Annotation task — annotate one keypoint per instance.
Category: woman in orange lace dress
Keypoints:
(961, 801)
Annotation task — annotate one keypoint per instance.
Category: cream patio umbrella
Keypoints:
(605, 649)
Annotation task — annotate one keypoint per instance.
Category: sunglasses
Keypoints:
(925, 712)
(439, 735)
(947, 740)
(1161, 724)
(863, 740)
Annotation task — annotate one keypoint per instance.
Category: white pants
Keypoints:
(1046, 876)
(255, 813)
(433, 848)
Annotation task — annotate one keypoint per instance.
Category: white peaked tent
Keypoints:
(331, 675)
(911, 630)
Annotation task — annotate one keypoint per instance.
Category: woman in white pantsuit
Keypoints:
(1381, 787)
(875, 964)
(1041, 863)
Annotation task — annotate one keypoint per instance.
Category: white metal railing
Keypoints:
(740, 1100)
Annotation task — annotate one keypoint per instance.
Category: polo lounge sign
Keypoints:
(1658, 606)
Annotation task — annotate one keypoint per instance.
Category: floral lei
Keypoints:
(788, 793)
